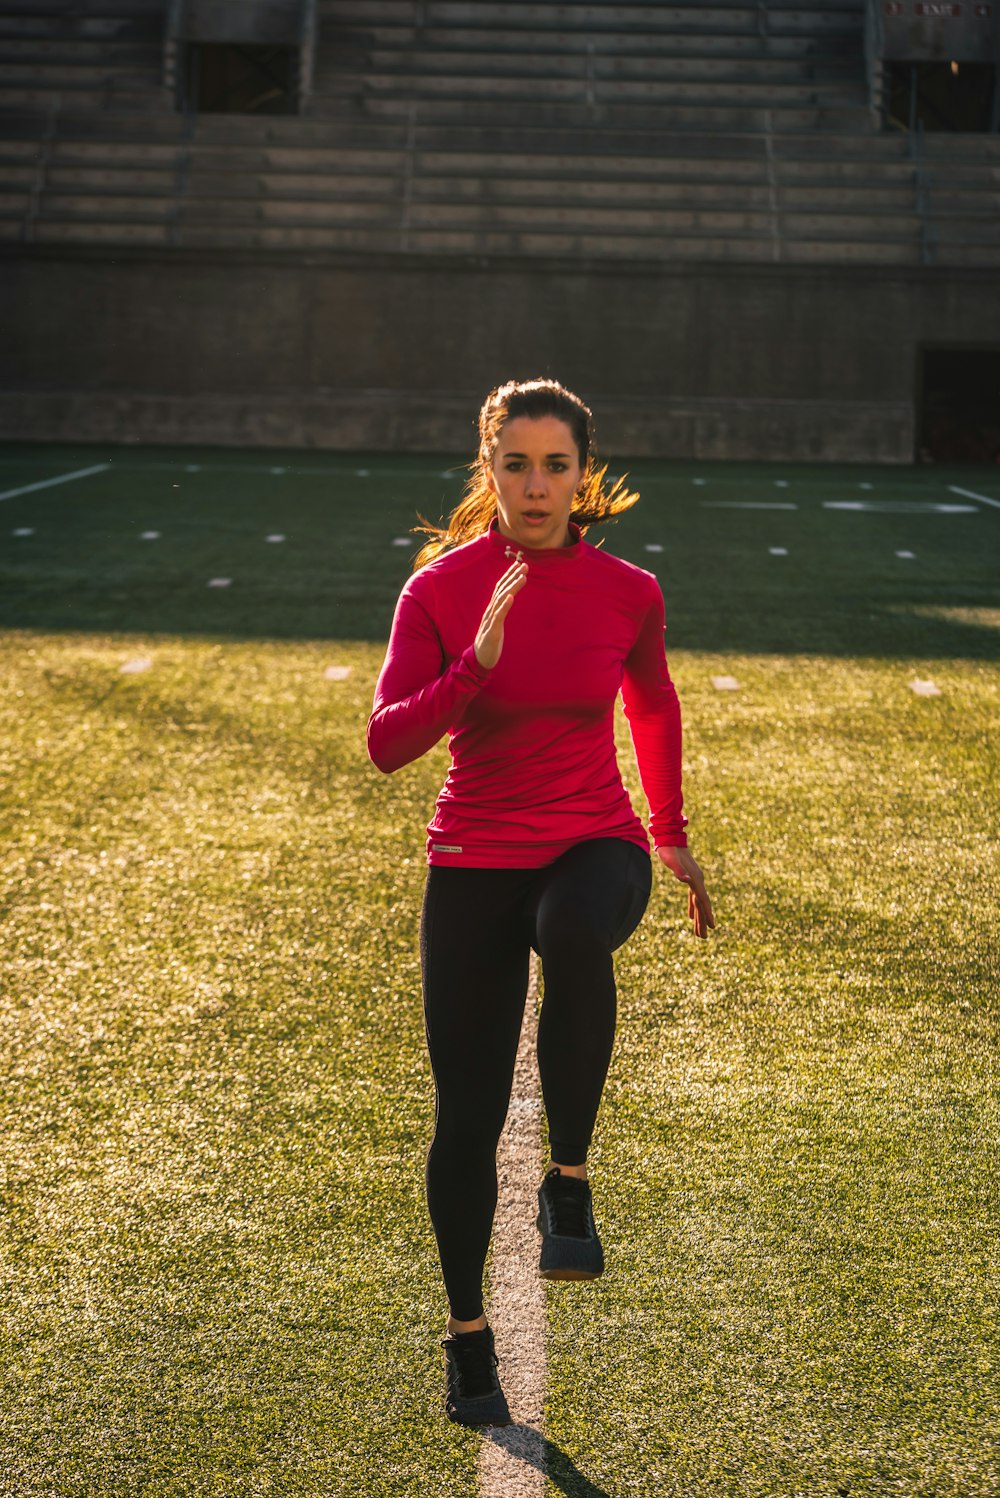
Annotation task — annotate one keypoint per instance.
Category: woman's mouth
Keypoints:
(534, 517)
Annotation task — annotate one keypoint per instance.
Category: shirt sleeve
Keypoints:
(654, 718)
(419, 695)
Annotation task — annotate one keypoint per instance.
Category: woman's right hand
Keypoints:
(489, 639)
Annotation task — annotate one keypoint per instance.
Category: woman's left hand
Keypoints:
(681, 864)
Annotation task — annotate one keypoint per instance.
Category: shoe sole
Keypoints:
(478, 1424)
(570, 1274)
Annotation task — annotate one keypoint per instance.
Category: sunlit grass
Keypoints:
(218, 1276)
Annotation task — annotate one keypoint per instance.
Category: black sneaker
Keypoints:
(474, 1395)
(571, 1249)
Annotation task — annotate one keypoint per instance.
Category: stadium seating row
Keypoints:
(663, 132)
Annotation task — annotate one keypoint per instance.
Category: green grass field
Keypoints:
(218, 1276)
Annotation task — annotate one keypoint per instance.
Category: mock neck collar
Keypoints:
(534, 555)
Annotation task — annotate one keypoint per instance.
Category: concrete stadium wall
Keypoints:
(769, 362)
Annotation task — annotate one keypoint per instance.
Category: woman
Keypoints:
(514, 637)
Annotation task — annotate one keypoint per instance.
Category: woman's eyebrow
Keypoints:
(548, 455)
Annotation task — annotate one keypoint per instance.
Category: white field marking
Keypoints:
(925, 688)
(725, 683)
(64, 478)
(219, 582)
(337, 673)
(781, 483)
(866, 486)
(24, 530)
(653, 546)
(132, 668)
(277, 536)
(362, 473)
(898, 507)
(952, 489)
(699, 481)
(192, 467)
(778, 551)
(401, 541)
(277, 470)
(512, 1459)
(907, 556)
(748, 504)
(150, 536)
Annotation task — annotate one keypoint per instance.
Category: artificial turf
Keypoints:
(217, 1273)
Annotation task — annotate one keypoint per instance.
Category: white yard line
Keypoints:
(971, 494)
(512, 1460)
(64, 478)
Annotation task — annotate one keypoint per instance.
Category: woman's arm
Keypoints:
(654, 717)
(418, 697)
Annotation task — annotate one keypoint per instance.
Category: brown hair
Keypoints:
(593, 503)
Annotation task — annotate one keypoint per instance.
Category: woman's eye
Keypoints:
(558, 467)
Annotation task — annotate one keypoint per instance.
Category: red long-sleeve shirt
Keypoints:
(534, 768)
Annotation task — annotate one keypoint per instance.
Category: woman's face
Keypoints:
(536, 472)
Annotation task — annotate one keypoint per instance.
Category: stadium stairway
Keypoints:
(684, 132)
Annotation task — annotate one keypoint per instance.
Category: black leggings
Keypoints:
(476, 933)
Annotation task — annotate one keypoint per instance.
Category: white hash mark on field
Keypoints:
(778, 551)
(362, 473)
(952, 489)
(132, 668)
(512, 1459)
(907, 556)
(219, 582)
(725, 683)
(275, 537)
(925, 688)
(24, 530)
(337, 673)
(401, 541)
(63, 478)
(653, 546)
(150, 536)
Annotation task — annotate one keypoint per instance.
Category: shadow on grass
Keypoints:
(529, 1446)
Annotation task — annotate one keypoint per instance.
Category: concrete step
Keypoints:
(90, 233)
(106, 74)
(296, 186)
(852, 226)
(273, 211)
(99, 208)
(84, 54)
(945, 203)
(725, 93)
(964, 228)
(825, 252)
(486, 15)
(668, 68)
(612, 166)
(79, 180)
(731, 118)
(96, 100)
(313, 162)
(875, 198)
(459, 193)
(338, 41)
(38, 27)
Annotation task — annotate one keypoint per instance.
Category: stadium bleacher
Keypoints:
(684, 132)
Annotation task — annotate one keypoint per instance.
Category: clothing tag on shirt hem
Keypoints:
(445, 848)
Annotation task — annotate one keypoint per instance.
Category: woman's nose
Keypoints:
(536, 482)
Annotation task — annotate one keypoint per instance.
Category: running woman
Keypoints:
(514, 636)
